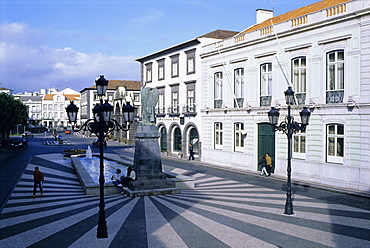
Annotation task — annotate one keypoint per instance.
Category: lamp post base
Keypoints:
(102, 226)
(288, 209)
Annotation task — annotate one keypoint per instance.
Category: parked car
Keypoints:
(18, 142)
(27, 134)
(96, 143)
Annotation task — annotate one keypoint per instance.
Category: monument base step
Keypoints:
(151, 192)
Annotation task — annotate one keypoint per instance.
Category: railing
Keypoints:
(239, 38)
(238, 102)
(189, 110)
(160, 112)
(266, 30)
(336, 10)
(265, 101)
(299, 21)
(335, 96)
(218, 103)
(173, 110)
(301, 98)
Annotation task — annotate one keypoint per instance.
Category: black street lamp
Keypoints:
(289, 126)
(101, 125)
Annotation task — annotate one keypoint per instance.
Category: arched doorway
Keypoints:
(176, 145)
(266, 143)
(163, 139)
(194, 140)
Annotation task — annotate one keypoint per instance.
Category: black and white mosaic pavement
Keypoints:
(216, 213)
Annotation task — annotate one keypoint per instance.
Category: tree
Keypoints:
(12, 113)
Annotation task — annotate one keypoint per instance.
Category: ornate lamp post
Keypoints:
(101, 125)
(289, 126)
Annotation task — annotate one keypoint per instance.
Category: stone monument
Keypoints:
(147, 160)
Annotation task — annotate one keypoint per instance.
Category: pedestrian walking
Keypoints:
(191, 152)
(268, 163)
(116, 178)
(38, 180)
(262, 162)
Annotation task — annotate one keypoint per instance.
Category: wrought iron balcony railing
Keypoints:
(173, 111)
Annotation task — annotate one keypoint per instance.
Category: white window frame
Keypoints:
(175, 101)
(190, 101)
(299, 74)
(338, 140)
(218, 135)
(175, 66)
(161, 103)
(161, 69)
(266, 79)
(239, 136)
(218, 85)
(239, 83)
(191, 65)
(335, 71)
(148, 72)
(299, 146)
(190, 61)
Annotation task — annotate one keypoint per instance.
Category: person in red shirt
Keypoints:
(38, 179)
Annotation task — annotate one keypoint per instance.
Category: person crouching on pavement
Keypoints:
(130, 176)
(116, 178)
(38, 179)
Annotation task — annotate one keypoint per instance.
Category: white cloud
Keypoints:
(27, 65)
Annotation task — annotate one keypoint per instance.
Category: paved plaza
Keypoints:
(216, 213)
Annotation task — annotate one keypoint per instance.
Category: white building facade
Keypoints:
(53, 107)
(176, 73)
(323, 51)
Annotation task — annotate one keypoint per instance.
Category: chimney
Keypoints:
(263, 15)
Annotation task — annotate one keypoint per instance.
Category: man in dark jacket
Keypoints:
(38, 179)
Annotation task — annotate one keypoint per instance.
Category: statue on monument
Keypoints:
(147, 158)
(149, 99)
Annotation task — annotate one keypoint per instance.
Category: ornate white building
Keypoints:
(323, 50)
(47, 107)
(54, 104)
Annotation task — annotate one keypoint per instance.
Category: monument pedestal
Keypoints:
(148, 165)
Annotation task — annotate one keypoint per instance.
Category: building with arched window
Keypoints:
(176, 73)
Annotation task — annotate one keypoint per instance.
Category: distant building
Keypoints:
(119, 92)
(47, 107)
(53, 107)
(6, 90)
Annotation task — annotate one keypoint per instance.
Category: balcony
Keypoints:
(189, 110)
(265, 101)
(238, 102)
(218, 103)
(335, 96)
(160, 112)
(173, 111)
(301, 98)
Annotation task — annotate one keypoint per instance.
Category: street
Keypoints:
(226, 209)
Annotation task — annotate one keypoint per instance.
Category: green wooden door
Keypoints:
(266, 143)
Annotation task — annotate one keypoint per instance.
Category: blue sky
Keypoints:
(60, 43)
